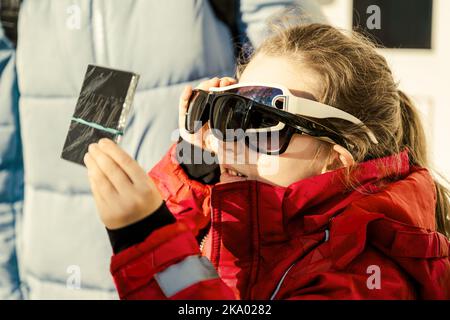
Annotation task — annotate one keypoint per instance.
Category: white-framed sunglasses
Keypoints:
(280, 97)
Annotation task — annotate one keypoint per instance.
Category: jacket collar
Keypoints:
(313, 201)
(392, 208)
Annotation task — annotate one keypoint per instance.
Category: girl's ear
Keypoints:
(345, 156)
(339, 158)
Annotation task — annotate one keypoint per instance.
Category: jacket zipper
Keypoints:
(215, 244)
(202, 243)
(280, 283)
(278, 287)
(208, 234)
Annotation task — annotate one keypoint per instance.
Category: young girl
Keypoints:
(334, 203)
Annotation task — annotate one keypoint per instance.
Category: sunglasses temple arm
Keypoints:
(319, 110)
(292, 120)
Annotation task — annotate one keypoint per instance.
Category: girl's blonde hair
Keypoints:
(356, 79)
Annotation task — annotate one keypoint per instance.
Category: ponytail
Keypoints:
(414, 139)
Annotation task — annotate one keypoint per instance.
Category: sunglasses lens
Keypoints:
(228, 116)
(196, 116)
(259, 120)
(270, 142)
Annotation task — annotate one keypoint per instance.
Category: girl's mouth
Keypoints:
(229, 174)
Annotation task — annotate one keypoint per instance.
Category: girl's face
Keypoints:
(304, 156)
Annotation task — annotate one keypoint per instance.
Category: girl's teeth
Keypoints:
(234, 173)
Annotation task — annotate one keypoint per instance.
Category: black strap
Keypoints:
(137, 232)
(9, 13)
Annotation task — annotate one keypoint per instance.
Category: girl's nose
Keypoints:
(227, 152)
(211, 142)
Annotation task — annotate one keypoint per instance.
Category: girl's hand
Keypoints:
(197, 138)
(123, 192)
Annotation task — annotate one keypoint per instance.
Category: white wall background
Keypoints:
(423, 74)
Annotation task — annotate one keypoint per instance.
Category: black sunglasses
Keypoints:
(265, 129)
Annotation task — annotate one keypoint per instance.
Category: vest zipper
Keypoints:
(98, 34)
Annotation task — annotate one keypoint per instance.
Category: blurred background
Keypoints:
(52, 245)
(415, 33)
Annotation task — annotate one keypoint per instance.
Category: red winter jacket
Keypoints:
(307, 241)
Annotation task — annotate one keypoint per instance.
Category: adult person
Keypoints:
(48, 249)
